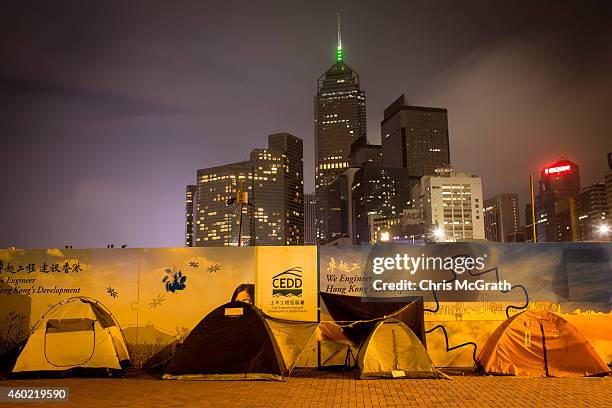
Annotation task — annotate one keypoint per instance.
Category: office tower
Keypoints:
(415, 137)
(593, 209)
(555, 204)
(310, 229)
(608, 183)
(362, 152)
(278, 195)
(340, 119)
(501, 217)
(340, 203)
(273, 178)
(217, 223)
(451, 203)
(377, 190)
(364, 188)
(189, 200)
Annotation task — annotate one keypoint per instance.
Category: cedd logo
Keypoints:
(288, 283)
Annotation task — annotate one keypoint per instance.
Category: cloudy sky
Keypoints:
(107, 109)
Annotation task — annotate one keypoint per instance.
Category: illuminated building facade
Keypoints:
(364, 188)
(274, 180)
(278, 194)
(608, 183)
(377, 190)
(593, 210)
(556, 209)
(310, 229)
(407, 227)
(217, 223)
(415, 138)
(189, 201)
(502, 220)
(340, 119)
(451, 202)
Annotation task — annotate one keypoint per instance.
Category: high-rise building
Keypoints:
(273, 178)
(363, 153)
(593, 210)
(310, 229)
(608, 182)
(416, 138)
(501, 216)
(377, 190)
(189, 200)
(340, 203)
(556, 203)
(364, 189)
(340, 119)
(217, 223)
(278, 194)
(451, 203)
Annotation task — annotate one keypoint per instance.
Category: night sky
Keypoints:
(108, 108)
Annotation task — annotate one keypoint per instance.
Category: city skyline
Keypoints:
(90, 146)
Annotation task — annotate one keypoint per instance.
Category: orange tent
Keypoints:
(539, 344)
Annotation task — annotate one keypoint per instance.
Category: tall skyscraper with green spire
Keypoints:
(340, 119)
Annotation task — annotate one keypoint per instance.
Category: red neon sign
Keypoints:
(558, 169)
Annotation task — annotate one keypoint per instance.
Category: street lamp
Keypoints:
(603, 229)
(439, 233)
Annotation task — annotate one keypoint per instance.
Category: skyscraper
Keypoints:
(217, 223)
(189, 200)
(274, 179)
(376, 190)
(310, 229)
(608, 182)
(501, 215)
(593, 208)
(556, 209)
(415, 137)
(340, 119)
(278, 194)
(340, 202)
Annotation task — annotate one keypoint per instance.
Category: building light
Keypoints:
(558, 169)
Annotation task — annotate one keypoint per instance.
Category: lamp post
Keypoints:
(438, 233)
(241, 199)
(603, 230)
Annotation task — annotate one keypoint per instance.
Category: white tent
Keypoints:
(76, 333)
(393, 350)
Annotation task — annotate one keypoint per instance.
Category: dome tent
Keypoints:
(77, 333)
(237, 341)
(365, 313)
(356, 319)
(393, 350)
(539, 344)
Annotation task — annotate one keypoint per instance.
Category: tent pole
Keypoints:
(544, 349)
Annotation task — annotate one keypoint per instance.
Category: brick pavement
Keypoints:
(313, 389)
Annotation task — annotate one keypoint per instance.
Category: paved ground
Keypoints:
(314, 389)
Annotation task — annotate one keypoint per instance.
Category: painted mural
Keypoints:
(159, 295)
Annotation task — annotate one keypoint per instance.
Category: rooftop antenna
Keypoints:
(339, 56)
